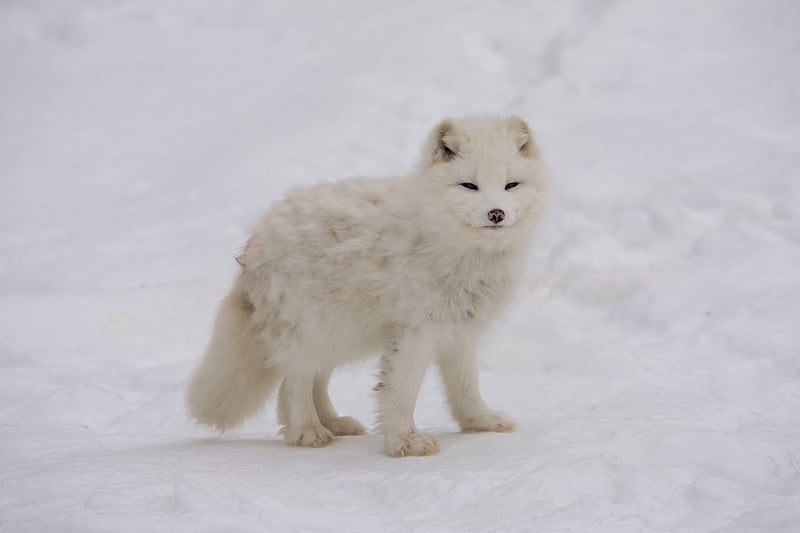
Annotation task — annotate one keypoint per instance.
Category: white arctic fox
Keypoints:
(412, 268)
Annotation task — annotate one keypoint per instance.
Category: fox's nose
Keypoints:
(496, 216)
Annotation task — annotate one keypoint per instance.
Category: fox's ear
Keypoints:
(522, 135)
(444, 143)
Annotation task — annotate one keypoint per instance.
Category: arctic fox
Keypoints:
(412, 268)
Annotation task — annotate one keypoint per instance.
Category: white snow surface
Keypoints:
(652, 361)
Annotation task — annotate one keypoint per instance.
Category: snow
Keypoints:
(651, 363)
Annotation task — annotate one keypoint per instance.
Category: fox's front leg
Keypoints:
(403, 366)
(459, 368)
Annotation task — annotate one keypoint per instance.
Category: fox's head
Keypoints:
(483, 178)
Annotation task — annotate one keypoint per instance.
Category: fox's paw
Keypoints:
(344, 425)
(490, 421)
(313, 437)
(412, 444)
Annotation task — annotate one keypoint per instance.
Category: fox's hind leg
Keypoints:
(338, 425)
(296, 411)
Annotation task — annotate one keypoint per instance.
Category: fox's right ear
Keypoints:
(443, 143)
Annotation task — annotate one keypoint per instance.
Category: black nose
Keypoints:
(496, 216)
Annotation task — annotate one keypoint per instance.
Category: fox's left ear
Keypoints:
(522, 135)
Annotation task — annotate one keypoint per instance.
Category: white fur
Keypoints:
(400, 267)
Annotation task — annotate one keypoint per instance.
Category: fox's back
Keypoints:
(332, 242)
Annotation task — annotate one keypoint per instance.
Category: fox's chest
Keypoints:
(471, 297)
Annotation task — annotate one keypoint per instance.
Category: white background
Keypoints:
(652, 361)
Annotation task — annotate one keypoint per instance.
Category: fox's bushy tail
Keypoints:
(233, 381)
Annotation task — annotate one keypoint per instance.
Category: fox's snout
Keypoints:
(496, 216)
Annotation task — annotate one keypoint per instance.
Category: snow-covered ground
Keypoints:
(653, 363)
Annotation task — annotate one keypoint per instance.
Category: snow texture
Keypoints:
(652, 362)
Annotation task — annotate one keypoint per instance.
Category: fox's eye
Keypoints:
(470, 186)
(511, 185)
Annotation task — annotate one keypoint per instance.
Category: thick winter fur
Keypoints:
(413, 269)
